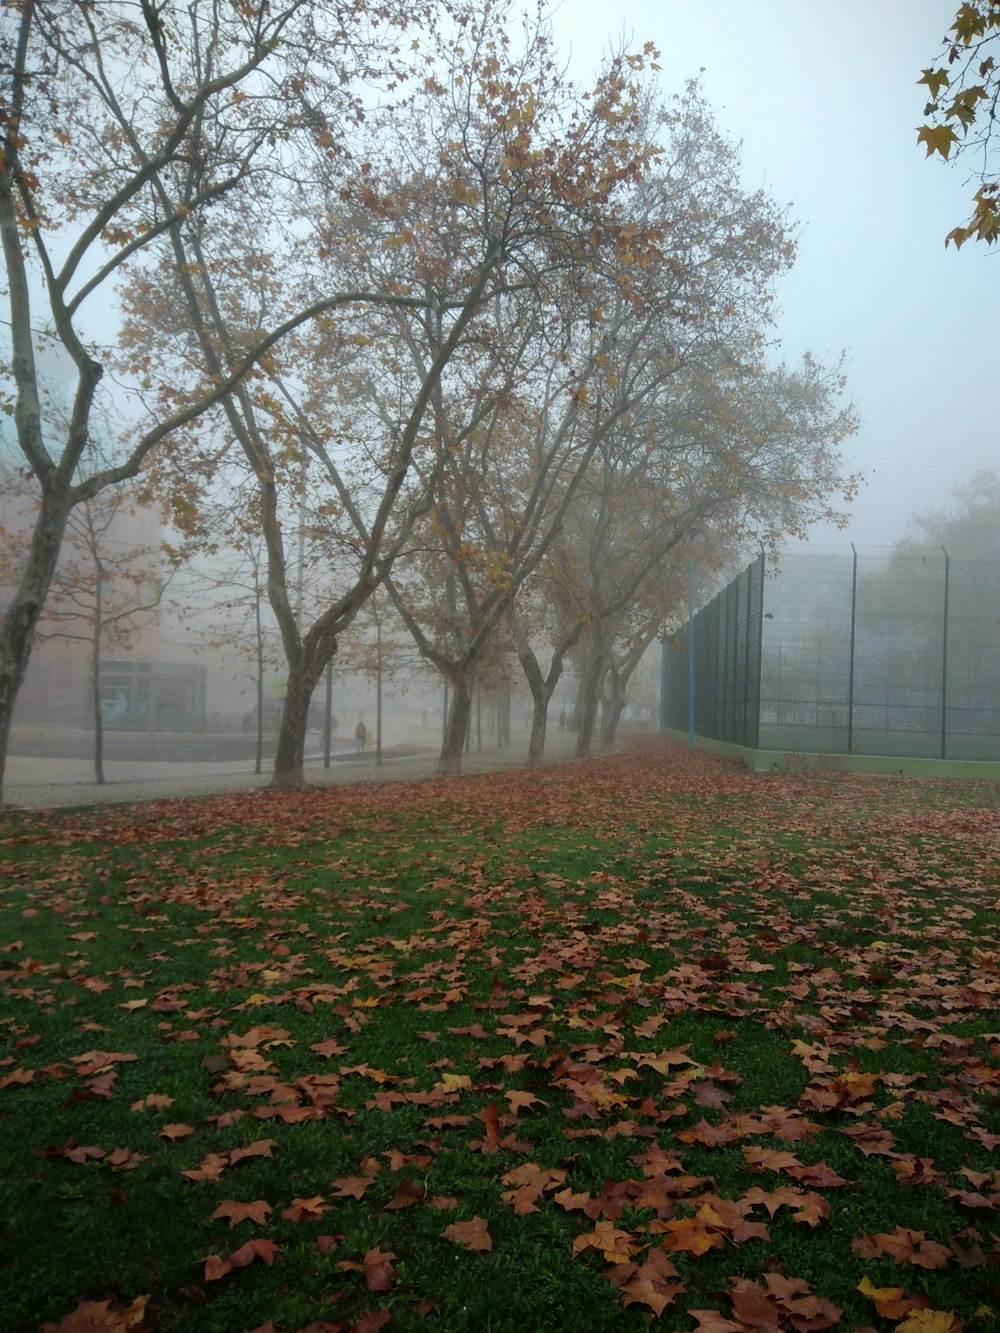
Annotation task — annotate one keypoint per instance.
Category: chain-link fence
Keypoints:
(893, 652)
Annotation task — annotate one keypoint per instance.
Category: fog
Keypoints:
(825, 101)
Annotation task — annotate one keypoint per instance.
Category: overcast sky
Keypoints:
(824, 99)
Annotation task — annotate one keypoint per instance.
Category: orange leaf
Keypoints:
(261, 1148)
(305, 1210)
(473, 1234)
(102, 1317)
(615, 1245)
(237, 1212)
(379, 1272)
(173, 1132)
(254, 1249)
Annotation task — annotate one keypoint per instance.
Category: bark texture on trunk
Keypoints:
(450, 762)
(611, 714)
(289, 758)
(539, 722)
(588, 705)
(17, 633)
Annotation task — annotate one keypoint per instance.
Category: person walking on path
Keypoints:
(360, 736)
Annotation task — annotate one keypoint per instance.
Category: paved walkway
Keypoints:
(38, 783)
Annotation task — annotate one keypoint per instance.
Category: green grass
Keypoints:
(680, 963)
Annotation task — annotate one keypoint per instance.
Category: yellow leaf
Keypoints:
(453, 1082)
(928, 1321)
(938, 138)
(935, 79)
(879, 1293)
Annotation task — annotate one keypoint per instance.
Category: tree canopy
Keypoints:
(963, 91)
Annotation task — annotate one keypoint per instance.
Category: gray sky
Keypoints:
(824, 99)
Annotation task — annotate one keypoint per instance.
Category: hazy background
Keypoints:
(825, 101)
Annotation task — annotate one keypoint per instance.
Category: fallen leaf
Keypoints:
(473, 1234)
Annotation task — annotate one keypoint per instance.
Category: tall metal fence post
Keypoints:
(690, 646)
(663, 686)
(760, 648)
(746, 660)
(944, 659)
(850, 667)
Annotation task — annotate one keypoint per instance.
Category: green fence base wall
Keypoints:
(766, 761)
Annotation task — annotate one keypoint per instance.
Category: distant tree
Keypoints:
(105, 591)
(964, 94)
(224, 606)
(378, 647)
(970, 526)
(495, 173)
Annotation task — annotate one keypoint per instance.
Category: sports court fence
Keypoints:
(890, 652)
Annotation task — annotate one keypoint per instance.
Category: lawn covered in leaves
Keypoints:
(640, 1041)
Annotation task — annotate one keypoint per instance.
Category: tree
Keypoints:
(446, 205)
(970, 526)
(100, 107)
(379, 649)
(692, 424)
(105, 590)
(222, 597)
(538, 174)
(963, 96)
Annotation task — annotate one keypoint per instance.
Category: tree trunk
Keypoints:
(611, 714)
(542, 687)
(590, 686)
(450, 762)
(541, 693)
(289, 758)
(17, 634)
(539, 721)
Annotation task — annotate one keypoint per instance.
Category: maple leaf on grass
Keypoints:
(254, 1249)
(376, 1266)
(352, 1187)
(236, 1212)
(215, 1267)
(614, 1244)
(651, 1283)
(103, 1317)
(176, 1131)
(905, 1246)
(713, 1321)
(698, 1234)
(929, 1321)
(305, 1210)
(259, 1248)
(261, 1148)
(474, 1234)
